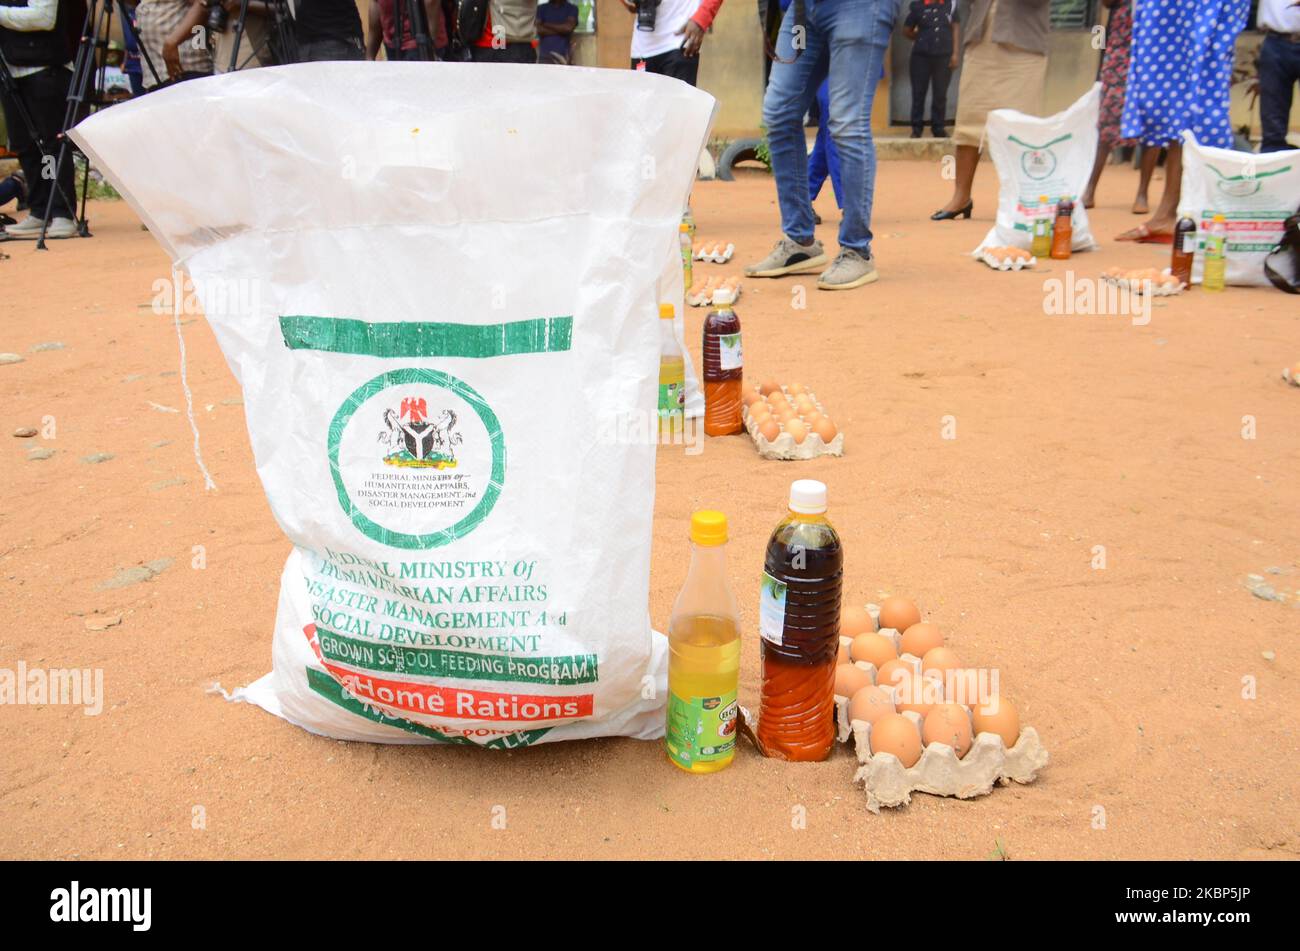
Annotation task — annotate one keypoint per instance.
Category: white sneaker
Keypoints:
(29, 229)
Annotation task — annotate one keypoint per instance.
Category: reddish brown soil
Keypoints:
(1072, 432)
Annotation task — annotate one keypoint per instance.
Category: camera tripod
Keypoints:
(280, 40)
(85, 93)
(419, 26)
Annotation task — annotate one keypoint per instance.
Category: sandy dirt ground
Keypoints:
(1071, 432)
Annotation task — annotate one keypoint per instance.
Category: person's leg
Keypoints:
(1098, 163)
(857, 34)
(790, 90)
(1146, 168)
(918, 67)
(1166, 216)
(48, 102)
(968, 159)
(1277, 77)
(29, 156)
(520, 53)
(940, 77)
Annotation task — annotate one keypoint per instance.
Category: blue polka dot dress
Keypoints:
(1181, 70)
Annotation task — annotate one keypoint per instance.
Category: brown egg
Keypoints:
(849, 680)
(749, 396)
(997, 716)
(894, 733)
(917, 694)
(948, 723)
(812, 419)
(797, 389)
(854, 620)
(797, 429)
(873, 648)
(939, 660)
(844, 656)
(898, 613)
(891, 672)
(824, 428)
(870, 704)
(920, 639)
(804, 405)
(769, 429)
(769, 387)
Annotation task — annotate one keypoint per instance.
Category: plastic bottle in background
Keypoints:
(799, 619)
(1184, 250)
(1216, 255)
(1063, 229)
(688, 219)
(688, 253)
(704, 656)
(723, 369)
(1041, 244)
(672, 376)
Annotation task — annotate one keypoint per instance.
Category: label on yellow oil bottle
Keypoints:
(701, 729)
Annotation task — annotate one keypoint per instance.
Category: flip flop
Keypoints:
(1144, 235)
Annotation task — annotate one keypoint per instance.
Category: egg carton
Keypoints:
(1292, 375)
(939, 771)
(1164, 285)
(784, 446)
(1005, 259)
(713, 291)
(716, 252)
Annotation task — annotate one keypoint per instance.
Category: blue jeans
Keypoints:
(1279, 69)
(823, 163)
(845, 43)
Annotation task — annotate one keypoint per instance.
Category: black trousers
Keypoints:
(674, 63)
(511, 53)
(1279, 70)
(930, 71)
(45, 94)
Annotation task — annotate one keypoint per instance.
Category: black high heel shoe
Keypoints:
(950, 215)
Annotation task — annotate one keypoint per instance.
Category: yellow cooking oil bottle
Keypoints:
(704, 656)
(672, 377)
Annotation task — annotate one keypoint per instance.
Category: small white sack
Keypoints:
(1255, 193)
(436, 285)
(1036, 157)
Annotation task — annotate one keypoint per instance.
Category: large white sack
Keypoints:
(1036, 157)
(452, 317)
(1255, 193)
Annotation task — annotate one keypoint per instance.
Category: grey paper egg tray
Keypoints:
(939, 771)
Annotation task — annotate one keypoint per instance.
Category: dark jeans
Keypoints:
(930, 71)
(45, 94)
(327, 50)
(511, 53)
(674, 63)
(1279, 69)
(407, 56)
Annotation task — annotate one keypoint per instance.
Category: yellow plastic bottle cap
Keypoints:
(666, 312)
(709, 528)
(683, 227)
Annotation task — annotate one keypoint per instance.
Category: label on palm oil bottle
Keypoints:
(771, 609)
(701, 729)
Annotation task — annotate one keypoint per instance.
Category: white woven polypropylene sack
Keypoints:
(1254, 193)
(447, 313)
(1036, 157)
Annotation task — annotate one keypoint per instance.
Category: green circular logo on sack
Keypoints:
(418, 458)
(1038, 163)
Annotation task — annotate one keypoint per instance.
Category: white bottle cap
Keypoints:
(807, 496)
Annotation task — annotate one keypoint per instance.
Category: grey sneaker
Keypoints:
(849, 270)
(29, 229)
(789, 257)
